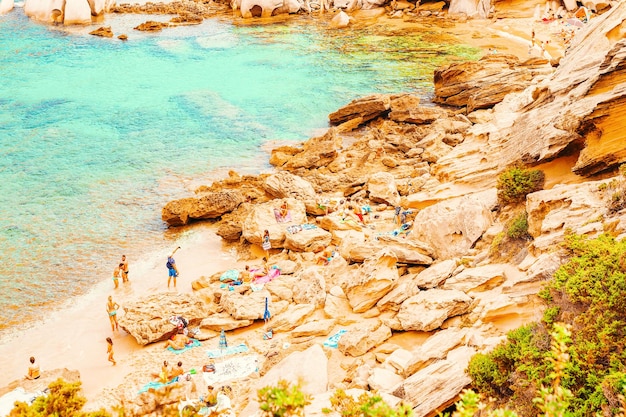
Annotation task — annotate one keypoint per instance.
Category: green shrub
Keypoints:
(63, 399)
(550, 314)
(367, 405)
(517, 228)
(516, 182)
(283, 400)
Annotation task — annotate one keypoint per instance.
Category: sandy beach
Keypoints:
(74, 336)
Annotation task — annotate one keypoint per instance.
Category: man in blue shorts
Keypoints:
(171, 268)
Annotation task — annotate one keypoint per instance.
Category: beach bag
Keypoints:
(168, 265)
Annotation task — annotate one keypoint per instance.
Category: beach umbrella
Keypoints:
(266, 313)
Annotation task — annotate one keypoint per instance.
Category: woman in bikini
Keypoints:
(112, 307)
(110, 351)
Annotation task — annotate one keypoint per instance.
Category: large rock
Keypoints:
(436, 274)
(263, 217)
(260, 8)
(316, 152)
(311, 288)
(246, 307)
(365, 109)
(362, 337)
(382, 189)
(403, 289)
(481, 278)
(481, 84)
(314, 328)
(427, 310)
(76, 12)
(308, 240)
(147, 319)
(295, 315)
(375, 278)
(451, 227)
(411, 251)
(438, 385)
(286, 185)
(6, 6)
(436, 347)
(223, 321)
(208, 206)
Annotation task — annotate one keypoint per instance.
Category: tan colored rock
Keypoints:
(427, 310)
(481, 278)
(283, 184)
(398, 359)
(551, 212)
(438, 385)
(208, 206)
(362, 337)
(314, 328)
(147, 319)
(451, 227)
(382, 189)
(151, 26)
(383, 380)
(223, 321)
(436, 347)
(436, 274)
(418, 115)
(374, 279)
(308, 240)
(246, 307)
(338, 308)
(403, 288)
(317, 152)
(282, 288)
(293, 317)
(103, 31)
(310, 288)
(262, 217)
(412, 251)
(367, 108)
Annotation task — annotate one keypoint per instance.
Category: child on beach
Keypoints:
(116, 275)
(112, 307)
(110, 350)
(266, 243)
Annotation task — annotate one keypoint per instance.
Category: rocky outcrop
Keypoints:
(208, 206)
(428, 310)
(6, 6)
(286, 185)
(103, 31)
(363, 109)
(362, 337)
(374, 279)
(147, 319)
(151, 26)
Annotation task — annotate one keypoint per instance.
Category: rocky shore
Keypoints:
(412, 299)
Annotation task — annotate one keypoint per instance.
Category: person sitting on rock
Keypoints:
(176, 372)
(33, 370)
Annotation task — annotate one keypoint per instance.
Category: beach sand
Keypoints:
(74, 336)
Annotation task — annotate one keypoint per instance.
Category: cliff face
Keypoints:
(579, 108)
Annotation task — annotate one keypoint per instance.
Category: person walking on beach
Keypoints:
(124, 267)
(172, 270)
(110, 350)
(116, 275)
(112, 307)
(33, 370)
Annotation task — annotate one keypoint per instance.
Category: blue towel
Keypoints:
(194, 343)
(333, 341)
(230, 350)
(156, 385)
(230, 275)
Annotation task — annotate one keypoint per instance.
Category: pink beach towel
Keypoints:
(281, 219)
(274, 272)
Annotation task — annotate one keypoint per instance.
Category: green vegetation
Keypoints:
(589, 294)
(283, 400)
(517, 228)
(516, 182)
(367, 405)
(62, 400)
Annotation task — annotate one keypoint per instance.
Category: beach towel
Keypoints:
(308, 226)
(296, 228)
(273, 273)
(156, 385)
(256, 287)
(193, 343)
(232, 368)
(230, 275)
(230, 350)
(333, 340)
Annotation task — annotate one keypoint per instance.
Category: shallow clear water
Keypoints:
(96, 135)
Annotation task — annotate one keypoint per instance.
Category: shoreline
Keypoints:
(75, 337)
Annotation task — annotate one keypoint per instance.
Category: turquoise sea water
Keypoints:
(96, 135)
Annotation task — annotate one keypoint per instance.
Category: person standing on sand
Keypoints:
(172, 270)
(124, 267)
(116, 275)
(33, 370)
(112, 307)
(110, 350)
